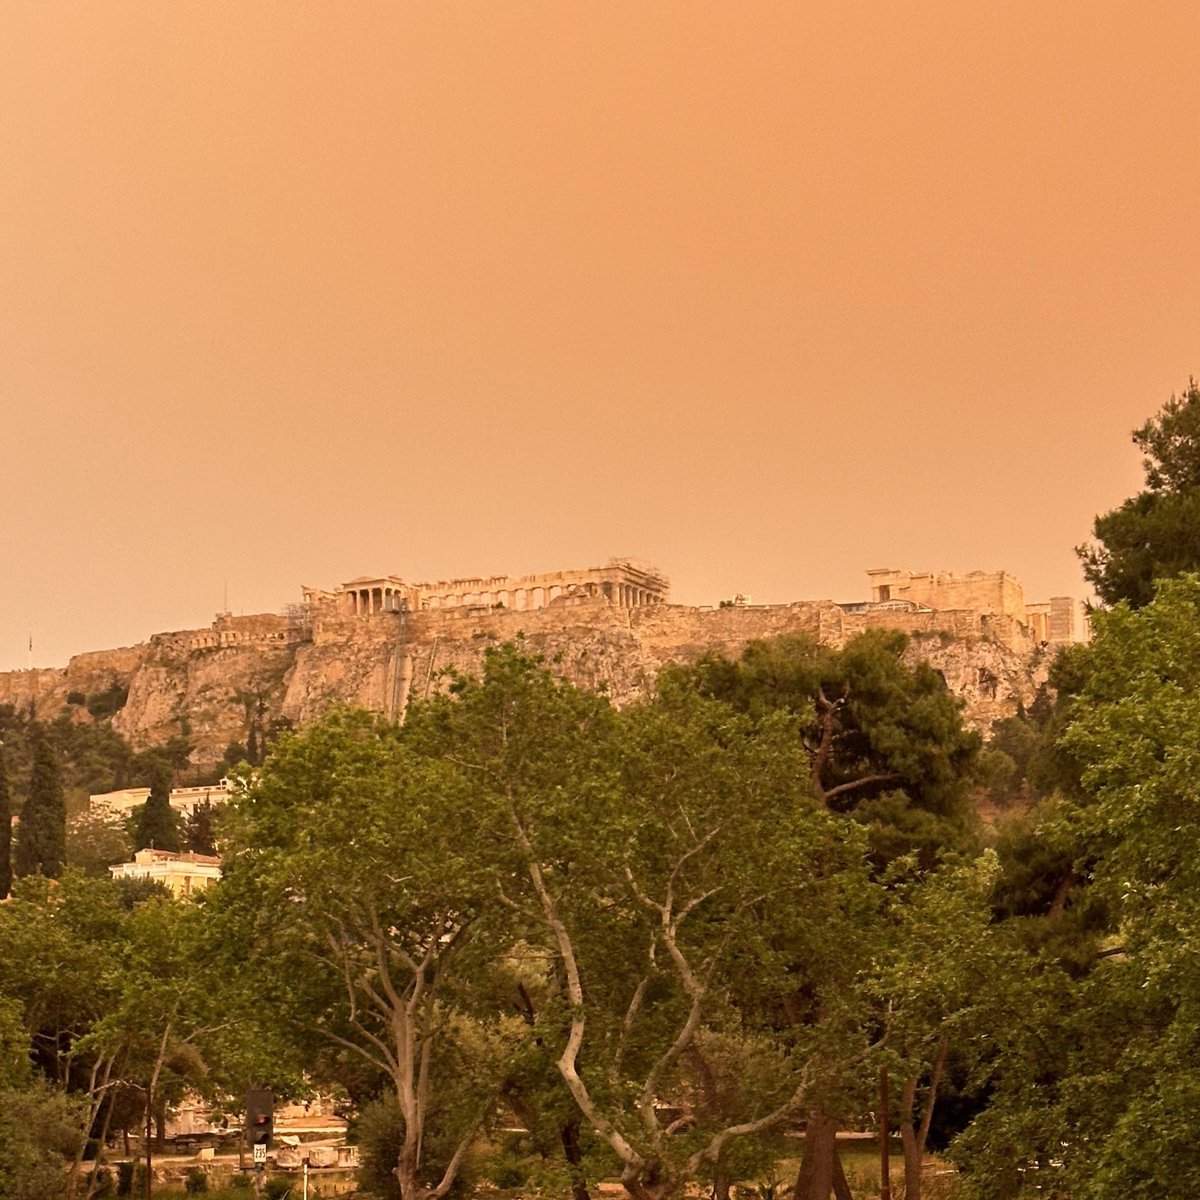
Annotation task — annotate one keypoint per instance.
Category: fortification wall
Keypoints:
(261, 629)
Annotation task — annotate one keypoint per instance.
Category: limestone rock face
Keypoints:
(214, 682)
(47, 688)
(211, 691)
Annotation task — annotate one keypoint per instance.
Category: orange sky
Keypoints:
(764, 293)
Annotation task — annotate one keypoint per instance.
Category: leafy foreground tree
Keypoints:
(1093, 1078)
(119, 1001)
(37, 1131)
(1155, 534)
(882, 744)
(646, 932)
(673, 861)
(42, 834)
(40, 1134)
(1138, 731)
(360, 880)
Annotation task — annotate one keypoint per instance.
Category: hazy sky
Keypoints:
(763, 293)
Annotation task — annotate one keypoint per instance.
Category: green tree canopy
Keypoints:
(695, 896)
(884, 740)
(1155, 534)
(1105, 1107)
(358, 879)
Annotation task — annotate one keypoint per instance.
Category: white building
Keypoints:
(180, 874)
(184, 800)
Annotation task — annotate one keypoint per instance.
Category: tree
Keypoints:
(41, 835)
(118, 999)
(662, 855)
(40, 1135)
(96, 840)
(935, 980)
(200, 829)
(6, 873)
(1092, 1079)
(884, 745)
(358, 873)
(1155, 534)
(158, 824)
(62, 943)
(1137, 730)
(884, 740)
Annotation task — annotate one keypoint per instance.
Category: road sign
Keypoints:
(260, 1153)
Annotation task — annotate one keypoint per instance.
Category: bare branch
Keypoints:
(865, 781)
(792, 1104)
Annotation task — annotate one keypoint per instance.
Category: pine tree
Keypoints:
(5, 831)
(42, 833)
(157, 825)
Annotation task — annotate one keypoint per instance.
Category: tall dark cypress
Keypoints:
(158, 826)
(5, 831)
(42, 833)
(199, 830)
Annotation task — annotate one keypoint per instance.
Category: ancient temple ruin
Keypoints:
(994, 593)
(624, 583)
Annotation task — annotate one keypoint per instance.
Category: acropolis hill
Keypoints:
(379, 641)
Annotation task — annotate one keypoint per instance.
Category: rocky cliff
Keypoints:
(212, 683)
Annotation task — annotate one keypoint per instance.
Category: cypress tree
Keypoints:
(5, 831)
(157, 825)
(200, 830)
(42, 833)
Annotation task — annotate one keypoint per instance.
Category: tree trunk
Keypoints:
(149, 1145)
(406, 1174)
(569, 1133)
(885, 1137)
(720, 1187)
(914, 1140)
(101, 1149)
(815, 1180)
(908, 1137)
(648, 1184)
(841, 1188)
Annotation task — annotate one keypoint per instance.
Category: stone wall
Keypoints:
(979, 591)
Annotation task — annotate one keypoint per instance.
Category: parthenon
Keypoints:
(624, 583)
